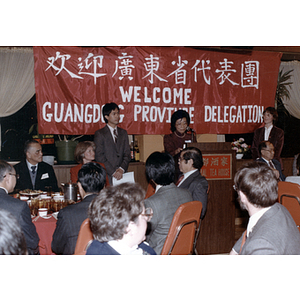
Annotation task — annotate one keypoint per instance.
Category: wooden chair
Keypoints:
(85, 237)
(182, 232)
(289, 197)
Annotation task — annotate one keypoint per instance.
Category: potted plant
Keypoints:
(65, 149)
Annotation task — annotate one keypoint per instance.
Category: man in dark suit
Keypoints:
(160, 169)
(19, 209)
(190, 163)
(33, 173)
(91, 180)
(271, 228)
(112, 145)
(266, 152)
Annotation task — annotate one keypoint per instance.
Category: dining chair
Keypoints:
(289, 197)
(85, 237)
(181, 236)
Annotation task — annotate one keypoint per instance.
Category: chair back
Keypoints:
(182, 232)
(85, 237)
(289, 197)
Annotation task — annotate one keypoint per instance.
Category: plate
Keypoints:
(30, 192)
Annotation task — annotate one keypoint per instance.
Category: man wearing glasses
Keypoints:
(19, 209)
(266, 152)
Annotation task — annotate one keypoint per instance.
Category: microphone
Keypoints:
(189, 129)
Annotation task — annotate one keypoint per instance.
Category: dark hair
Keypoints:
(112, 210)
(108, 108)
(263, 145)
(258, 182)
(160, 167)
(12, 240)
(194, 154)
(273, 112)
(27, 145)
(92, 177)
(298, 163)
(81, 148)
(5, 167)
(179, 114)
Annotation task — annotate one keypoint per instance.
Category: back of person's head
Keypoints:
(160, 167)
(112, 210)
(12, 240)
(108, 108)
(179, 114)
(273, 112)
(92, 177)
(5, 167)
(28, 144)
(81, 148)
(262, 145)
(258, 182)
(298, 163)
(194, 154)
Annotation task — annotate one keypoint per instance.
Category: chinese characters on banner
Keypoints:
(222, 92)
(217, 166)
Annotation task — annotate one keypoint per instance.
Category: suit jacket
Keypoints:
(276, 137)
(112, 155)
(277, 166)
(45, 176)
(198, 186)
(164, 204)
(274, 233)
(103, 248)
(69, 220)
(20, 210)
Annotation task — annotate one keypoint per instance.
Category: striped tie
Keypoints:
(115, 135)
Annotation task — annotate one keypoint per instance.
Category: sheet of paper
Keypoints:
(127, 177)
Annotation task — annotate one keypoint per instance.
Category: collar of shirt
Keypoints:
(267, 132)
(254, 219)
(123, 249)
(29, 165)
(1, 187)
(158, 186)
(111, 130)
(186, 175)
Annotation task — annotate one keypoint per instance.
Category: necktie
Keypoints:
(115, 135)
(243, 240)
(179, 179)
(33, 169)
(273, 167)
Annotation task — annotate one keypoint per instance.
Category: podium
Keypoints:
(218, 226)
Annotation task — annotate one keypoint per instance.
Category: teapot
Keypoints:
(70, 191)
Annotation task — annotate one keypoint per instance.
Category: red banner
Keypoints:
(223, 92)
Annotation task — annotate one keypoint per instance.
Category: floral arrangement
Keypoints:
(240, 146)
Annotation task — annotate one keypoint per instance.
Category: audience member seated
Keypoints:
(119, 221)
(91, 180)
(19, 209)
(190, 164)
(84, 153)
(266, 152)
(160, 168)
(12, 240)
(33, 173)
(296, 178)
(271, 228)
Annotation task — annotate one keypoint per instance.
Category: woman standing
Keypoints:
(174, 142)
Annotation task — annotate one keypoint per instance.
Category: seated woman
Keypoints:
(119, 221)
(84, 153)
(174, 142)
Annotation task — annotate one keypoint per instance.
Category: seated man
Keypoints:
(91, 180)
(119, 221)
(33, 173)
(271, 229)
(190, 163)
(12, 240)
(266, 152)
(19, 209)
(160, 169)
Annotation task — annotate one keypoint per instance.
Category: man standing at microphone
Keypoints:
(174, 142)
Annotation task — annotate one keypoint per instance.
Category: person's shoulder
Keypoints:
(45, 165)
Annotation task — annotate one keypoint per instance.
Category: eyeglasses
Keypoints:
(148, 214)
(17, 175)
(235, 188)
(272, 150)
